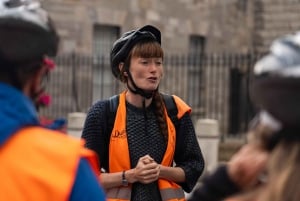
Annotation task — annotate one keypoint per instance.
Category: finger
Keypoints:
(147, 161)
(152, 172)
(148, 157)
(149, 178)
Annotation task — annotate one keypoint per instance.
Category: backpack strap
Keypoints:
(113, 103)
(171, 108)
(111, 110)
(172, 113)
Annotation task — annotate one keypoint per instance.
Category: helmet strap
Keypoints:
(137, 90)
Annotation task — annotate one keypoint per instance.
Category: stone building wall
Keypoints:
(274, 18)
(229, 26)
(223, 23)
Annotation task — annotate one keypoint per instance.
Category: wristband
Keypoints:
(124, 180)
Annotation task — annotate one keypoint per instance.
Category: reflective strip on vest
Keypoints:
(172, 194)
(167, 194)
(170, 191)
(123, 193)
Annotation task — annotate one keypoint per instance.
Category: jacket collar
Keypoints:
(16, 111)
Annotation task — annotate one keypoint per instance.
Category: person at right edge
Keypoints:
(267, 167)
(146, 156)
(36, 163)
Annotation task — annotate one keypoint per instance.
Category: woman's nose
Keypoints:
(153, 66)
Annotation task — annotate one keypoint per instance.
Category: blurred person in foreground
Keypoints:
(267, 167)
(36, 163)
(146, 156)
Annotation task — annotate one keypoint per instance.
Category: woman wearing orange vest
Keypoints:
(144, 156)
(36, 164)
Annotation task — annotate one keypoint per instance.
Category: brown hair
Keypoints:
(282, 169)
(283, 173)
(161, 117)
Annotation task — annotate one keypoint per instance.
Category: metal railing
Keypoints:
(214, 85)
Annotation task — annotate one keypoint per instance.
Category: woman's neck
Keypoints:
(137, 100)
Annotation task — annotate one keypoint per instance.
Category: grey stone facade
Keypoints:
(273, 18)
(228, 26)
(176, 19)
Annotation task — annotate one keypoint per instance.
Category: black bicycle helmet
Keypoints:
(123, 45)
(26, 31)
(276, 86)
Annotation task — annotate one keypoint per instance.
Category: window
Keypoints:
(104, 85)
(242, 5)
(195, 83)
(196, 45)
(104, 37)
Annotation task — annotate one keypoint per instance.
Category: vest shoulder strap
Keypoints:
(113, 102)
(171, 108)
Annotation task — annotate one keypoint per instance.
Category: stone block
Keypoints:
(75, 123)
(207, 131)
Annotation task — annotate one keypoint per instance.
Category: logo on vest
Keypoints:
(119, 134)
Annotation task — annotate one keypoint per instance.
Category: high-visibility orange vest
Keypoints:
(40, 164)
(119, 154)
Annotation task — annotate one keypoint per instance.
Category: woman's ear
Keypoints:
(122, 70)
(121, 65)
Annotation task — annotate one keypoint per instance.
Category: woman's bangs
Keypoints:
(148, 50)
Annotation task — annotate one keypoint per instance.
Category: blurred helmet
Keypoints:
(26, 32)
(122, 47)
(276, 84)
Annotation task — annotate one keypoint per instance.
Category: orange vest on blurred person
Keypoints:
(40, 164)
(119, 154)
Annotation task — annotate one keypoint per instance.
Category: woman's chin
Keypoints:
(149, 90)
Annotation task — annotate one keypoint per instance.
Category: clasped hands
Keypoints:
(147, 170)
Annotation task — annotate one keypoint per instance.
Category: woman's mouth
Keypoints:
(153, 79)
